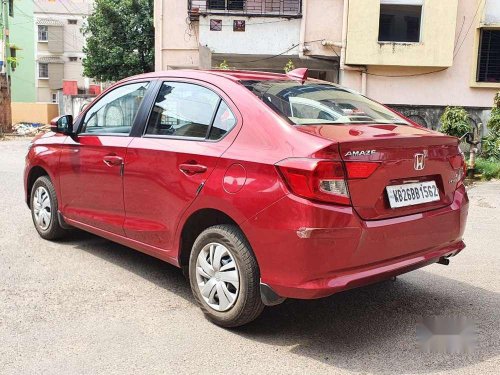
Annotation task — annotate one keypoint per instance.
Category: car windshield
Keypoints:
(316, 102)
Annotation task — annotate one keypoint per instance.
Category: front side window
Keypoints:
(188, 110)
(115, 113)
(317, 102)
(43, 33)
(400, 21)
(489, 56)
(43, 70)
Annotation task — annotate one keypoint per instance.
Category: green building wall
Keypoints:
(22, 35)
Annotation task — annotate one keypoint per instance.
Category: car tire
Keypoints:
(44, 209)
(222, 266)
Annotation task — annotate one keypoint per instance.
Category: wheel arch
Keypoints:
(34, 173)
(196, 223)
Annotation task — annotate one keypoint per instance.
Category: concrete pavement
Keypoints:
(88, 306)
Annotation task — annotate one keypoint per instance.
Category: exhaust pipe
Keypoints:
(444, 261)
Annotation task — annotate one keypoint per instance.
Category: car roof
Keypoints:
(233, 75)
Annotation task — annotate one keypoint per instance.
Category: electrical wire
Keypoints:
(406, 75)
(54, 19)
(248, 24)
(274, 56)
(468, 30)
(459, 33)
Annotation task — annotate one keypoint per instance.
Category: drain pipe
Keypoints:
(343, 44)
(302, 35)
(363, 82)
(345, 18)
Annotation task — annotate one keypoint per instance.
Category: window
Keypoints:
(223, 123)
(72, 22)
(314, 103)
(43, 33)
(43, 70)
(115, 113)
(11, 8)
(184, 110)
(488, 66)
(226, 4)
(73, 59)
(400, 20)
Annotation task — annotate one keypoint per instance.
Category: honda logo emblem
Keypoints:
(419, 162)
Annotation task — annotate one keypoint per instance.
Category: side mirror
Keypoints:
(62, 124)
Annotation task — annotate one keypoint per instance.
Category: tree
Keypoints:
(119, 39)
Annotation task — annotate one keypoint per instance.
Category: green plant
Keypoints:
(223, 65)
(289, 66)
(13, 62)
(491, 143)
(488, 168)
(455, 121)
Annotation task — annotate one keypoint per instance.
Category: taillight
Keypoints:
(458, 163)
(356, 170)
(316, 179)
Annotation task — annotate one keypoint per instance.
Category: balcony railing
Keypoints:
(249, 8)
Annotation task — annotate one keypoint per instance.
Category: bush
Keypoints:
(455, 121)
(491, 143)
(488, 168)
(494, 122)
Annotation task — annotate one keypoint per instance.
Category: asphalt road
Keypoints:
(89, 306)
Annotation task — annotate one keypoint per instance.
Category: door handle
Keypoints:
(191, 169)
(112, 160)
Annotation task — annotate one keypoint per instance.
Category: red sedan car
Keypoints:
(260, 186)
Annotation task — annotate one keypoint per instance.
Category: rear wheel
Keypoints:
(44, 208)
(224, 276)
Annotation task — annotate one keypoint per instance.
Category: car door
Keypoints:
(91, 163)
(168, 165)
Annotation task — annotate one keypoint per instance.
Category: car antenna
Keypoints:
(299, 74)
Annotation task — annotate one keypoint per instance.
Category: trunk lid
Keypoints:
(394, 147)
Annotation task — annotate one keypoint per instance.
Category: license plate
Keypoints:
(412, 194)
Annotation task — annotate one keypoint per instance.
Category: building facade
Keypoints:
(22, 30)
(59, 45)
(48, 45)
(418, 56)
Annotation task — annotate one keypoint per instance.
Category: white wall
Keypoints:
(492, 12)
(262, 36)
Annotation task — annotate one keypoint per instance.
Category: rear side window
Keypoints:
(189, 110)
(224, 121)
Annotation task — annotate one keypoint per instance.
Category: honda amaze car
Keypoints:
(260, 186)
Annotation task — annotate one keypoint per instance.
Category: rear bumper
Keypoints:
(307, 250)
(349, 279)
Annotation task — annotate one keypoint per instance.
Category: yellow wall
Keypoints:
(435, 48)
(34, 112)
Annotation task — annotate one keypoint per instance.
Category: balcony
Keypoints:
(248, 8)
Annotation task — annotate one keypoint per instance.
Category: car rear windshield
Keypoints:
(316, 102)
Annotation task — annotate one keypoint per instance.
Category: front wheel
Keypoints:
(44, 209)
(225, 277)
